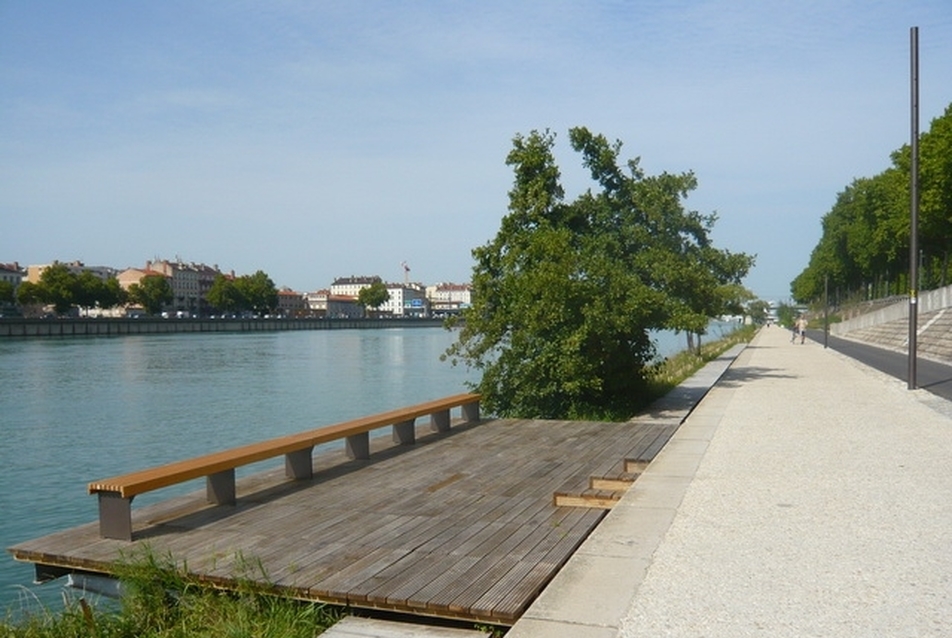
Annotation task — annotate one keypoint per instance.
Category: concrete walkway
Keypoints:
(806, 495)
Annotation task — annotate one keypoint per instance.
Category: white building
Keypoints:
(448, 298)
(351, 286)
(12, 274)
(406, 300)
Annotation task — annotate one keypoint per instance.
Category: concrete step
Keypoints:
(357, 627)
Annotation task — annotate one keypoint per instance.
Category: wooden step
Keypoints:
(636, 466)
(595, 499)
(612, 483)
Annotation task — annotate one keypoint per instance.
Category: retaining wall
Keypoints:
(111, 327)
(930, 301)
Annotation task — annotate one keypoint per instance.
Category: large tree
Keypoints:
(566, 293)
(153, 292)
(58, 286)
(258, 292)
(864, 248)
(373, 296)
(224, 295)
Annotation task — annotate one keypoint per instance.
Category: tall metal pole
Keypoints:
(914, 206)
(826, 311)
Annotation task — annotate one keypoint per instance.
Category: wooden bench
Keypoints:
(218, 468)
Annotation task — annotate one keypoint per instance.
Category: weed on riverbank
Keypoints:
(162, 600)
(668, 374)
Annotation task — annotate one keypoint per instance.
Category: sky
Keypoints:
(323, 139)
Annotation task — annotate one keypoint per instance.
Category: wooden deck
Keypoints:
(460, 525)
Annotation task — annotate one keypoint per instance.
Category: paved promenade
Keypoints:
(806, 495)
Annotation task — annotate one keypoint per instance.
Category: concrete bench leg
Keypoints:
(358, 446)
(220, 487)
(471, 411)
(404, 433)
(440, 421)
(297, 464)
(115, 516)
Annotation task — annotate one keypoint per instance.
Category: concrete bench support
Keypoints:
(115, 516)
(440, 421)
(297, 464)
(358, 446)
(470, 411)
(404, 433)
(220, 487)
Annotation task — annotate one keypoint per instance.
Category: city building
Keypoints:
(12, 274)
(448, 298)
(351, 286)
(35, 272)
(291, 304)
(406, 300)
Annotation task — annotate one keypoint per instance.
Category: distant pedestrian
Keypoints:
(802, 328)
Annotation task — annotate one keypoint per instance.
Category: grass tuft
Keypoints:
(161, 599)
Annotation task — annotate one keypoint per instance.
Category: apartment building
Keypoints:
(12, 274)
(351, 286)
(406, 300)
(35, 272)
(449, 298)
(291, 304)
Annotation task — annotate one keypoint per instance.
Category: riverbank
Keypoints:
(99, 327)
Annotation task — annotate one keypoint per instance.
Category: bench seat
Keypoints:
(116, 493)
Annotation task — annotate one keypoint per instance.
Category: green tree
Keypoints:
(758, 310)
(153, 292)
(565, 295)
(224, 295)
(373, 296)
(91, 291)
(58, 286)
(864, 247)
(257, 292)
(7, 292)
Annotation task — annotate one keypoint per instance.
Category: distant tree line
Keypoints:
(63, 290)
(566, 294)
(247, 293)
(864, 249)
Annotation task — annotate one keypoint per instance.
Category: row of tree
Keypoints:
(63, 290)
(567, 293)
(864, 249)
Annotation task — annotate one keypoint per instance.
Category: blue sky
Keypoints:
(314, 140)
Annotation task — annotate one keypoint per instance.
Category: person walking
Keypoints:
(801, 328)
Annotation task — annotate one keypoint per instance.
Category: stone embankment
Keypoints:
(889, 327)
(113, 327)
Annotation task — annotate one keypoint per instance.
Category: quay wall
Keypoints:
(930, 301)
(113, 327)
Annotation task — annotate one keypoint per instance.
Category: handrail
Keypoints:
(116, 493)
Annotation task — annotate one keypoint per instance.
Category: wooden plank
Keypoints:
(595, 499)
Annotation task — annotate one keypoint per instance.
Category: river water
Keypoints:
(76, 409)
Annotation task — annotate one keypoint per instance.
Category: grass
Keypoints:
(162, 600)
(668, 374)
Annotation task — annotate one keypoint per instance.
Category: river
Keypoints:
(76, 409)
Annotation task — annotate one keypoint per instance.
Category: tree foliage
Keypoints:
(153, 292)
(373, 296)
(7, 292)
(253, 293)
(64, 289)
(566, 293)
(864, 247)
(258, 292)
